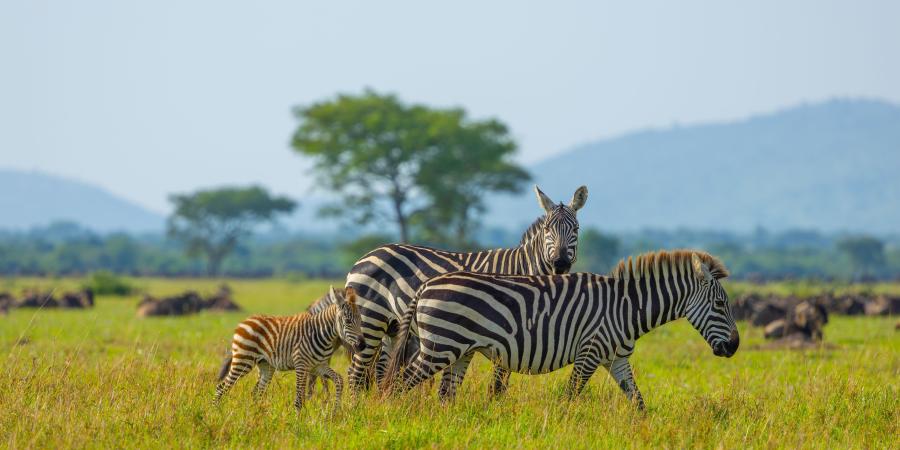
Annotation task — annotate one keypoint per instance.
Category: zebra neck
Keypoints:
(326, 322)
(531, 254)
(655, 302)
(526, 259)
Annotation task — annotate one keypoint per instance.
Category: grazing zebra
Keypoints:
(302, 343)
(387, 278)
(538, 324)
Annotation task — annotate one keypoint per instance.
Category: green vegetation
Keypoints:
(212, 222)
(104, 378)
(427, 170)
(68, 249)
(107, 283)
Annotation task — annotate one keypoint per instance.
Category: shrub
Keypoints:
(107, 283)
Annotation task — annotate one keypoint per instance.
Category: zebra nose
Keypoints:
(734, 341)
(729, 347)
(561, 265)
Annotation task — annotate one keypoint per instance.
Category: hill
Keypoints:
(33, 199)
(830, 166)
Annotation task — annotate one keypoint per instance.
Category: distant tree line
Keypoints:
(424, 172)
(64, 249)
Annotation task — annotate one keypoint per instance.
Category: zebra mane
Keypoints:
(652, 262)
(532, 230)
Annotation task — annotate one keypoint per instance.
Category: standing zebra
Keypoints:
(387, 278)
(302, 343)
(538, 324)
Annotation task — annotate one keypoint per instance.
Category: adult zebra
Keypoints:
(386, 278)
(538, 324)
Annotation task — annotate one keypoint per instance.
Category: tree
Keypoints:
(475, 159)
(392, 161)
(866, 253)
(597, 252)
(212, 222)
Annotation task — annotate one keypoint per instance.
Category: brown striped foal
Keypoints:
(302, 343)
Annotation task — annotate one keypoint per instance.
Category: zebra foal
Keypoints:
(539, 324)
(303, 343)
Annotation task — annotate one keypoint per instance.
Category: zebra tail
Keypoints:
(226, 365)
(399, 356)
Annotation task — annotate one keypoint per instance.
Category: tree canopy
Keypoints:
(212, 222)
(424, 169)
(866, 253)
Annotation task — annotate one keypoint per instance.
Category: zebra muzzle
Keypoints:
(729, 347)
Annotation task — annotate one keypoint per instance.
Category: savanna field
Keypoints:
(105, 378)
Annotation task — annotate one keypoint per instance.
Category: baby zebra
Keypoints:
(302, 342)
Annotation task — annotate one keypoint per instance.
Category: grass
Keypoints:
(105, 378)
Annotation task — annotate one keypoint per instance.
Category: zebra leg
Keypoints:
(417, 372)
(586, 364)
(311, 389)
(329, 373)
(620, 369)
(239, 368)
(358, 375)
(303, 377)
(453, 377)
(500, 382)
(265, 376)
(383, 359)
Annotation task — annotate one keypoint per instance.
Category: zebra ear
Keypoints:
(700, 269)
(350, 295)
(338, 299)
(543, 200)
(579, 198)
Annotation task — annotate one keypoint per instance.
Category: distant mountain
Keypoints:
(830, 166)
(30, 199)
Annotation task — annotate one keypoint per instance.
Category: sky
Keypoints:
(150, 98)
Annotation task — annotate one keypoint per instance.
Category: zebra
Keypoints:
(539, 324)
(387, 278)
(302, 342)
(321, 303)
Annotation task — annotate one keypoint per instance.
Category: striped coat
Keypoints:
(387, 278)
(539, 324)
(303, 343)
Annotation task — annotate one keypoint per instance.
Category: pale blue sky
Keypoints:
(150, 98)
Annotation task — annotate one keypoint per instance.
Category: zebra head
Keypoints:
(560, 230)
(708, 309)
(348, 319)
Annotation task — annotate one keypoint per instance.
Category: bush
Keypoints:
(106, 283)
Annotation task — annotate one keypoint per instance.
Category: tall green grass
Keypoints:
(105, 378)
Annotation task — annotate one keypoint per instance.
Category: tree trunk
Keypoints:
(214, 263)
(401, 223)
(399, 216)
(462, 228)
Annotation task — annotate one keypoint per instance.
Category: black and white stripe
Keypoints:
(538, 324)
(303, 343)
(387, 278)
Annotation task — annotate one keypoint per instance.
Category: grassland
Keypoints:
(105, 378)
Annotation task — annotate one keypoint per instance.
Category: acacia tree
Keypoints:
(475, 159)
(408, 164)
(212, 222)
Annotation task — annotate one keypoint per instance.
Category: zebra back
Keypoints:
(538, 323)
